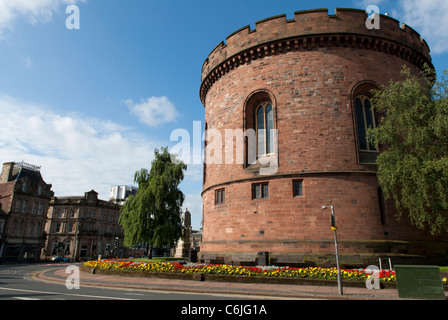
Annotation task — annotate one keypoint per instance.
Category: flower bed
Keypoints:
(238, 273)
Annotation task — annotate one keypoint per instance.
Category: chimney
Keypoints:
(6, 172)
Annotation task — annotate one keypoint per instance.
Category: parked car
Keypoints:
(59, 259)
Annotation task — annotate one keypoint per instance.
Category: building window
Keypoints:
(41, 209)
(18, 205)
(297, 188)
(260, 190)
(260, 134)
(22, 228)
(264, 124)
(220, 196)
(2, 224)
(34, 211)
(70, 227)
(25, 206)
(365, 119)
(58, 227)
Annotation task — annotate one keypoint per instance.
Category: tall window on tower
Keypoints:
(365, 119)
(265, 129)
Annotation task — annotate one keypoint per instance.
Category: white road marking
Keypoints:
(65, 294)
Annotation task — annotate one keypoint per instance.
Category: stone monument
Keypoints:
(183, 245)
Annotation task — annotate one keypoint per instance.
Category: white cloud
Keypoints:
(76, 154)
(27, 62)
(154, 111)
(429, 18)
(32, 11)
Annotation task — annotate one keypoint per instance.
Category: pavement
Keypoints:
(253, 290)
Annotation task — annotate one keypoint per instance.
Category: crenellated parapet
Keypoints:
(312, 29)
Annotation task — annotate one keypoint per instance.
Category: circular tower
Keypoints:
(287, 106)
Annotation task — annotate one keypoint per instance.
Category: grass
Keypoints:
(444, 269)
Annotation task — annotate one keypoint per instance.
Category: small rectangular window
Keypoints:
(297, 188)
(34, 208)
(18, 205)
(257, 191)
(220, 196)
(41, 209)
(25, 206)
(260, 190)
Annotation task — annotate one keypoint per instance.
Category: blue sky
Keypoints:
(90, 105)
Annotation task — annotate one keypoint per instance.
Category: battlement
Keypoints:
(311, 29)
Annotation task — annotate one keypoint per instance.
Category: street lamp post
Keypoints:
(334, 228)
(75, 245)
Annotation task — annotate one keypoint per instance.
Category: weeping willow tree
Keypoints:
(153, 215)
(413, 166)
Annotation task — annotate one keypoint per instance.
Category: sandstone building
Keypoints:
(82, 227)
(24, 199)
(295, 95)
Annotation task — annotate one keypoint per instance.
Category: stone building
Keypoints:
(24, 198)
(295, 96)
(82, 227)
(3, 220)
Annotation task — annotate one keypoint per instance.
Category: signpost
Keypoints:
(334, 228)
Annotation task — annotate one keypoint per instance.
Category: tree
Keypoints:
(413, 134)
(153, 215)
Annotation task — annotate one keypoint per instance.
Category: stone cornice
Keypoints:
(310, 42)
(276, 35)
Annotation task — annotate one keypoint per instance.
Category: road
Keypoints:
(17, 283)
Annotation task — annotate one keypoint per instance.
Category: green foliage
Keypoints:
(153, 215)
(413, 137)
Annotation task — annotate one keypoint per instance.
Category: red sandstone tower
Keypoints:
(299, 91)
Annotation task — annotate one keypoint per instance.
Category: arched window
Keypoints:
(365, 119)
(260, 132)
(265, 129)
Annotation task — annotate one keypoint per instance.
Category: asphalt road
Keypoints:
(16, 283)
